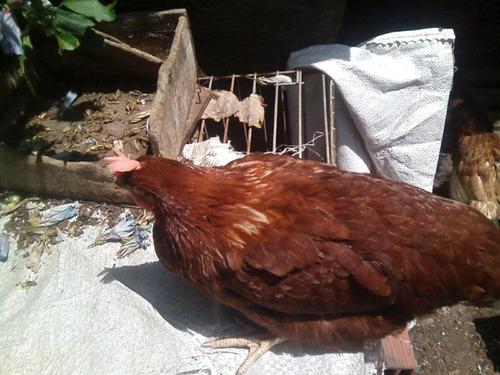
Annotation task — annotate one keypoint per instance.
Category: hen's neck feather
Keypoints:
(194, 207)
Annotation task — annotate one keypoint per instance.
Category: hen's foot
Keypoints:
(257, 346)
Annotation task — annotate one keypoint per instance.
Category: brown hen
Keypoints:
(475, 178)
(312, 253)
(476, 163)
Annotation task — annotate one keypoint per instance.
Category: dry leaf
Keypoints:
(131, 105)
(252, 111)
(223, 105)
(26, 284)
(136, 145)
(117, 95)
(35, 255)
(139, 117)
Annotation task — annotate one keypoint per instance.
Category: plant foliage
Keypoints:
(67, 21)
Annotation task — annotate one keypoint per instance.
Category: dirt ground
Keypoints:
(458, 340)
(98, 117)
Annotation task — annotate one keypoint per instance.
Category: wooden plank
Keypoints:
(169, 127)
(397, 354)
(201, 98)
(50, 177)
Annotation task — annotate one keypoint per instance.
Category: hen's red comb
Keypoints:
(121, 163)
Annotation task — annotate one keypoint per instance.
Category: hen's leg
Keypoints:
(257, 345)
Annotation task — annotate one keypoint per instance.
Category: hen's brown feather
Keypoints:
(476, 176)
(314, 253)
(475, 179)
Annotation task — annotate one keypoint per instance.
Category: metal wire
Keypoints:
(325, 118)
(226, 120)
(299, 121)
(275, 113)
(328, 98)
(332, 150)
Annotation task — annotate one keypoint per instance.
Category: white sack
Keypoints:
(395, 88)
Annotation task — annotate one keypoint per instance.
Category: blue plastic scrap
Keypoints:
(129, 233)
(57, 214)
(4, 248)
(10, 35)
(67, 101)
(125, 228)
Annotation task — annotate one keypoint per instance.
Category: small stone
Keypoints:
(85, 213)
(31, 205)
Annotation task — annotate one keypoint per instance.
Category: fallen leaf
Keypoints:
(27, 284)
(35, 255)
(139, 117)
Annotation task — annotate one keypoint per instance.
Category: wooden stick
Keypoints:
(226, 120)
(299, 81)
(203, 127)
(250, 130)
(249, 143)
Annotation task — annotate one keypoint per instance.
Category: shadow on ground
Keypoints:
(187, 309)
(489, 329)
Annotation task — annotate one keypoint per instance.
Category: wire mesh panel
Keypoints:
(298, 114)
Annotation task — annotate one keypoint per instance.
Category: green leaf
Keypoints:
(27, 41)
(71, 22)
(66, 41)
(22, 65)
(91, 8)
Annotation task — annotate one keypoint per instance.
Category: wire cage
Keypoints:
(299, 116)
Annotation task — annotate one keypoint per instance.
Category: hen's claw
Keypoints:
(257, 345)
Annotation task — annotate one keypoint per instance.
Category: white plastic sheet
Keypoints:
(395, 91)
(210, 153)
(90, 314)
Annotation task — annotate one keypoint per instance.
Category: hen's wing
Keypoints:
(337, 243)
